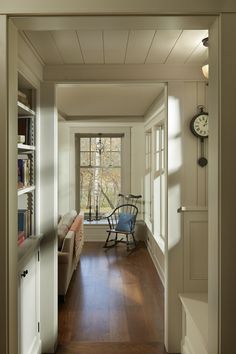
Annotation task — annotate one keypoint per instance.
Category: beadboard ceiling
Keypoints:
(119, 46)
(106, 47)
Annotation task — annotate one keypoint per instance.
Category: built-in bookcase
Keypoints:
(26, 145)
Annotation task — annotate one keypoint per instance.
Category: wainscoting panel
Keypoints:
(195, 234)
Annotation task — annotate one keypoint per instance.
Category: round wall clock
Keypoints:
(199, 127)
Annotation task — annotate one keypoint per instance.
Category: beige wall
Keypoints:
(66, 155)
(124, 6)
(227, 190)
(187, 186)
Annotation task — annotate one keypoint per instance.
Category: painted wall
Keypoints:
(101, 6)
(66, 168)
(187, 186)
(28, 62)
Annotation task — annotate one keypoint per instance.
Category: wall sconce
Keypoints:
(205, 68)
(205, 71)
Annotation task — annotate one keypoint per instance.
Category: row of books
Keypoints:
(24, 172)
(25, 129)
(24, 225)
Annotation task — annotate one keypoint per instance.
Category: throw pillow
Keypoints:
(68, 218)
(125, 222)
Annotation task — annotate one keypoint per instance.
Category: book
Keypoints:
(25, 129)
(24, 172)
(20, 238)
(24, 222)
(20, 234)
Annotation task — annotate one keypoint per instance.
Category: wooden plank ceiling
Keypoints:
(120, 46)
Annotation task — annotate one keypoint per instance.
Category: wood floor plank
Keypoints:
(115, 304)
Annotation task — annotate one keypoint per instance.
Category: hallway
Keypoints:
(115, 304)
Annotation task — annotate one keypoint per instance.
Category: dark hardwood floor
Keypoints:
(114, 304)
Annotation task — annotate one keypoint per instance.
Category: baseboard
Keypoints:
(157, 265)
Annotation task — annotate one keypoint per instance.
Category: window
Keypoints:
(159, 183)
(148, 179)
(99, 172)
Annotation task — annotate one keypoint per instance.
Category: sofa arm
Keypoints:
(68, 243)
(63, 257)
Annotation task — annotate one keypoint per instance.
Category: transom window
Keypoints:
(100, 173)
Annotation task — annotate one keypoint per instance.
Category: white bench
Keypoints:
(194, 323)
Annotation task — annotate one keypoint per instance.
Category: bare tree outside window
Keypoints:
(100, 173)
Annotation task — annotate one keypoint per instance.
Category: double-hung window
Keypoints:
(159, 184)
(99, 172)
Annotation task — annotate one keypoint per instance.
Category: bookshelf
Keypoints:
(28, 237)
(26, 147)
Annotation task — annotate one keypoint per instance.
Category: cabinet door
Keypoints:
(28, 307)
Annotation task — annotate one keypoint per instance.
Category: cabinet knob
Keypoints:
(24, 273)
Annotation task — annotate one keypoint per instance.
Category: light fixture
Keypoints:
(99, 145)
(205, 68)
(205, 42)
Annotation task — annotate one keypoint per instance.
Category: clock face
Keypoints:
(199, 125)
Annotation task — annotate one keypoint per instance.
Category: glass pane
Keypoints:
(84, 158)
(163, 202)
(106, 159)
(96, 159)
(158, 139)
(107, 144)
(115, 144)
(86, 186)
(93, 144)
(162, 138)
(162, 159)
(115, 159)
(99, 186)
(84, 144)
(110, 188)
(146, 162)
(157, 206)
(146, 144)
(157, 161)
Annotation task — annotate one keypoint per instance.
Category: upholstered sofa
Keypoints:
(70, 243)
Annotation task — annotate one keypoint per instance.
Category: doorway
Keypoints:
(55, 76)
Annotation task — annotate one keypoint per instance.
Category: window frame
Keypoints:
(90, 151)
(75, 133)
